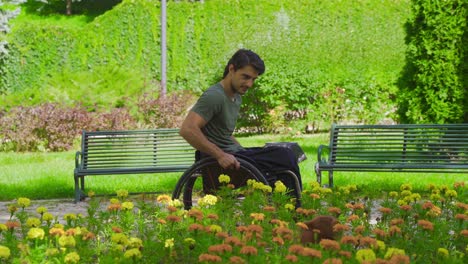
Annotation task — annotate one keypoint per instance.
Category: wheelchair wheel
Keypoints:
(190, 185)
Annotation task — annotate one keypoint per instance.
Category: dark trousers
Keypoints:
(269, 160)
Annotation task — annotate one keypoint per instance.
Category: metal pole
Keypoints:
(163, 49)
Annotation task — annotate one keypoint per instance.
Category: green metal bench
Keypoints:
(394, 148)
(130, 152)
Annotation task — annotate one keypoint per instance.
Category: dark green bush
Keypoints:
(433, 86)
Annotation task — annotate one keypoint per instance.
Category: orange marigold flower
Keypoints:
(213, 216)
(394, 230)
(221, 248)
(193, 227)
(333, 261)
(310, 252)
(174, 218)
(385, 210)
(248, 250)
(222, 235)
(359, 229)
(406, 207)
(269, 209)
(114, 207)
(314, 196)
(117, 229)
(295, 249)
(281, 231)
(172, 209)
(340, 228)
(462, 217)
(349, 240)
(12, 224)
(278, 240)
(367, 241)
(464, 232)
(458, 185)
(334, 210)
(427, 205)
(358, 206)
(255, 229)
(241, 229)
(54, 231)
(379, 232)
(349, 205)
(278, 222)
(397, 221)
(195, 213)
(463, 206)
(309, 212)
(209, 258)
(236, 260)
(291, 258)
(257, 216)
(162, 221)
(352, 218)
(233, 241)
(302, 225)
(403, 259)
(89, 236)
(345, 254)
(425, 224)
(329, 244)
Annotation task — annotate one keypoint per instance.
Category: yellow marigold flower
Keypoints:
(415, 197)
(67, 241)
(119, 238)
(215, 228)
(72, 257)
(91, 194)
(12, 209)
(4, 252)
(135, 242)
(176, 203)
(266, 188)
(365, 255)
(443, 252)
(189, 241)
(114, 201)
(406, 187)
(3, 227)
(251, 182)
(47, 217)
(380, 245)
(23, 202)
(207, 200)
(451, 194)
(36, 233)
(393, 252)
(289, 206)
(402, 202)
(224, 178)
(41, 210)
(134, 253)
(51, 252)
(33, 222)
(69, 217)
(169, 243)
(280, 187)
(122, 193)
(127, 205)
(434, 211)
(405, 193)
(393, 194)
(257, 216)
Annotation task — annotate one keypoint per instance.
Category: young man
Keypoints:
(210, 124)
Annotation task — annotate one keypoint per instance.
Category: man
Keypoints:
(210, 124)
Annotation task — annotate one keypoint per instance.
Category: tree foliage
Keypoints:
(433, 86)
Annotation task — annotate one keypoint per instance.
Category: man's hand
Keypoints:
(228, 161)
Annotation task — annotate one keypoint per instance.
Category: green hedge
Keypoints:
(326, 60)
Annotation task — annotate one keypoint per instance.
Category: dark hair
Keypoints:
(244, 57)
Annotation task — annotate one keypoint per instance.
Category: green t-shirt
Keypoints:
(220, 113)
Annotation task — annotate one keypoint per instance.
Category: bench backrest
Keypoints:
(433, 146)
(145, 149)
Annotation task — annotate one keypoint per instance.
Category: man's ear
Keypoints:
(231, 68)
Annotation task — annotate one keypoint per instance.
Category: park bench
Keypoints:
(394, 148)
(130, 152)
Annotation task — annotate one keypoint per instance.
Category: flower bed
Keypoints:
(261, 227)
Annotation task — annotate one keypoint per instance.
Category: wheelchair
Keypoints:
(202, 177)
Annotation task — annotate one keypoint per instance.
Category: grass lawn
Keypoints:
(50, 175)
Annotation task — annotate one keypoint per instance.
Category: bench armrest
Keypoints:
(322, 153)
(77, 159)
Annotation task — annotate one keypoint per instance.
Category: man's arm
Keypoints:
(191, 131)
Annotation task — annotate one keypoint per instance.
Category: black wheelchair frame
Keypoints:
(185, 186)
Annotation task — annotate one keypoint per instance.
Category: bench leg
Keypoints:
(318, 173)
(79, 188)
(330, 179)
